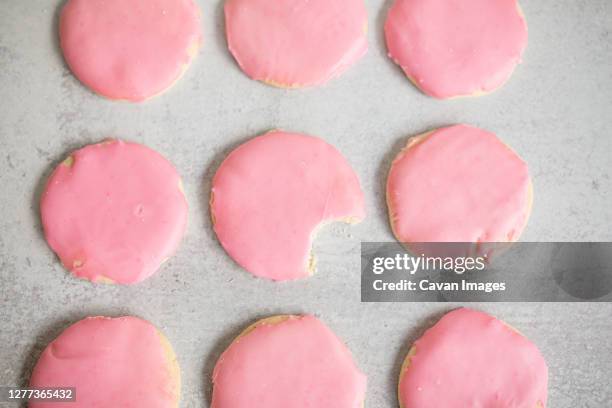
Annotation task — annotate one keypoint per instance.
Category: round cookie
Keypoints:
(458, 184)
(471, 359)
(111, 362)
(114, 211)
(270, 195)
(451, 48)
(129, 49)
(293, 44)
(287, 362)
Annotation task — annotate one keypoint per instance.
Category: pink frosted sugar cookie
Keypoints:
(287, 362)
(270, 195)
(296, 43)
(471, 359)
(129, 49)
(452, 48)
(458, 184)
(120, 362)
(114, 211)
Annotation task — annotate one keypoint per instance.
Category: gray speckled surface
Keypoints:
(556, 112)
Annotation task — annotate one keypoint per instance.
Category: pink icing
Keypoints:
(117, 362)
(458, 184)
(114, 211)
(293, 364)
(456, 47)
(129, 49)
(270, 194)
(295, 43)
(471, 359)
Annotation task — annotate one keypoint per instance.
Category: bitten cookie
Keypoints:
(471, 359)
(270, 195)
(451, 48)
(113, 212)
(458, 184)
(111, 362)
(296, 43)
(287, 362)
(129, 49)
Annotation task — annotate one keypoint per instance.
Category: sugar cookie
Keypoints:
(296, 43)
(451, 48)
(287, 362)
(114, 211)
(111, 362)
(471, 359)
(458, 184)
(129, 49)
(271, 193)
